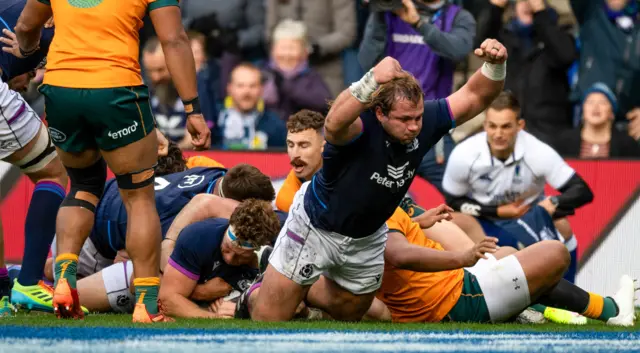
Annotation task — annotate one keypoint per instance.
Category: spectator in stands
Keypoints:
(166, 104)
(540, 53)
(244, 123)
(428, 38)
(291, 84)
(597, 137)
(610, 53)
(234, 30)
(331, 26)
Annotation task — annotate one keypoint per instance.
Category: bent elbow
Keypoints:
(174, 39)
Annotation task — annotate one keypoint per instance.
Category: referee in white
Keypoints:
(498, 177)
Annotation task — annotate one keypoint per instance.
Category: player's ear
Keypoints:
(379, 114)
(521, 124)
(324, 142)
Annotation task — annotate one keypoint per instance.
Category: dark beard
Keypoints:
(166, 93)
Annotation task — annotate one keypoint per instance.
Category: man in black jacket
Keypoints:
(540, 52)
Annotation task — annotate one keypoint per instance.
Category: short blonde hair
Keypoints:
(290, 29)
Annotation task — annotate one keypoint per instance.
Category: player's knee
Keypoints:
(40, 156)
(136, 180)
(557, 251)
(87, 186)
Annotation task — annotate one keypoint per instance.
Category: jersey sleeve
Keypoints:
(456, 175)
(399, 221)
(202, 161)
(156, 4)
(547, 163)
(286, 193)
(438, 114)
(190, 254)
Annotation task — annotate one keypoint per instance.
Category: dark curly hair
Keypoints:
(255, 221)
(173, 162)
(245, 181)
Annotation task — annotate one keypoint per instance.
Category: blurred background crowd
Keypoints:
(573, 64)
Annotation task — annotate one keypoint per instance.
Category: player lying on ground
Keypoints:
(499, 175)
(375, 141)
(96, 268)
(98, 107)
(216, 249)
(492, 290)
(25, 143)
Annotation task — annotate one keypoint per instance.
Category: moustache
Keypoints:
(297, 162)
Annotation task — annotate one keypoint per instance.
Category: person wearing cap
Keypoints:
(540, 53)
(597, 137)
(291, 84)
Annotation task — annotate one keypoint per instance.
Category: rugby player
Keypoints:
(305, 143)
(106, 287)
(98, 112)
(216, 248)
(375, 141)
(490, 289)
(25, 143)
(499, 176)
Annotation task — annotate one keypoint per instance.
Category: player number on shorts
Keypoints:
(160, 183)
(470, 209)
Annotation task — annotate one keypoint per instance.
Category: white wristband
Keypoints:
(363, 89)
(494, 72)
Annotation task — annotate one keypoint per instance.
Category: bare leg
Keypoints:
(449, 235)
(277, 299)
(136, 162)
(339, 303)
(470, 226)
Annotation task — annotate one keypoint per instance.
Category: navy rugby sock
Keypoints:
(39, 230)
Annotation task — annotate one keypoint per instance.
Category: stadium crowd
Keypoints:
(344, 86)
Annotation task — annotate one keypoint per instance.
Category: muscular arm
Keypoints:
(201, 207)
(343, 122)
(177, 50)
(474, 97)
(211, 290)
(175, 292)
(404, 255)
(29, 26)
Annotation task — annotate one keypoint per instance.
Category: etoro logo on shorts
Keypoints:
(57, 135)
(124, 132)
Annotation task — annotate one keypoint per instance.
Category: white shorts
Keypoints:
(303, 253)
(19, 124)
(117, 279)
(90, 261)
(504, 286)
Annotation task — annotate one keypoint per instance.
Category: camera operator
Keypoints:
(428, 38)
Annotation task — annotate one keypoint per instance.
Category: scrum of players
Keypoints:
(341, 240)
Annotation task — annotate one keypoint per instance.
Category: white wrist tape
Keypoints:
(363, 89)
(494, 72)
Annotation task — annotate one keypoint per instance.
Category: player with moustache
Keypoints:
(376, 139)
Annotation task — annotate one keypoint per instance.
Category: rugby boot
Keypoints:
(66, 303)
(142, 316)
(566, 317)
(6, 308)
(37, 297)
(624, 298)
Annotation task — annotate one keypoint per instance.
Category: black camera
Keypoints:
(384, 5)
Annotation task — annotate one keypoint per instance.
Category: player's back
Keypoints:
(172, 193)
(418, 296)
(97, 43)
